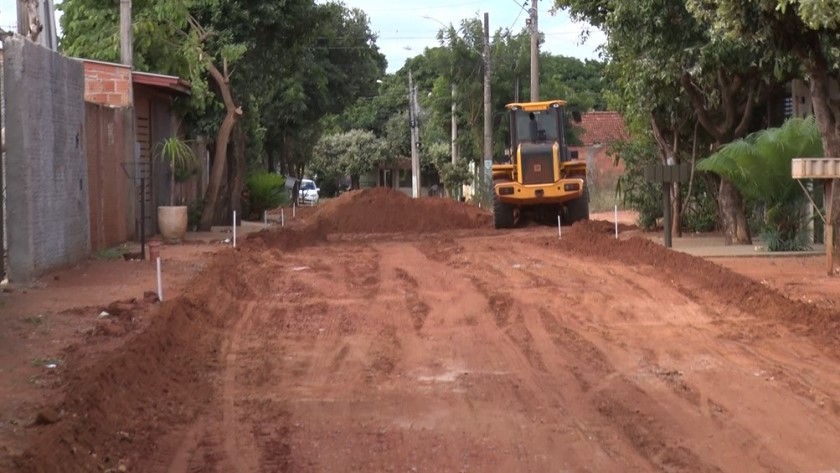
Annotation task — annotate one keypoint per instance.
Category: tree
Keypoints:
(672, 73)
(352, 153)
(334, 62)
(806, 31)
(295, 62)
(90, 29)
(760, 166)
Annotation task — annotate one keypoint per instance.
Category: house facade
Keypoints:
(127, 181)
(596, 132)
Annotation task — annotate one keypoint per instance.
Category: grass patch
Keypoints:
(114, 253)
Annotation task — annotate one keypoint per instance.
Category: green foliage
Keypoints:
(636, 193)
(113, 253)
(352, 153)
(786, 228)
(701, 213)
(266, 191)
(180, 159)
(290, 63)
(759, 165)
(177, 154)
(194, 209)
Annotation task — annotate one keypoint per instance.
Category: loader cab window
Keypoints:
(536, 126)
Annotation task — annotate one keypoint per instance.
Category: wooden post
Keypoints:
(830, 186)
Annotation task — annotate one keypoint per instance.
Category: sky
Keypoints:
(8, 15)
(404, 31)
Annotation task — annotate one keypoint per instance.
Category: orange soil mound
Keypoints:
(377, 210)
(595, 239)
(384, 210)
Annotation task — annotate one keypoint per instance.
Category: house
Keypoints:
(116, 168)
(596, 132)
(397, 175)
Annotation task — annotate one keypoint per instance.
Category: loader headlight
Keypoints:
(505, 190)
(571, 187)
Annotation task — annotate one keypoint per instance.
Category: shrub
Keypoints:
(265, 191)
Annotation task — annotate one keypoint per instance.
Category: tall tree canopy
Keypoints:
(672, 75)
(296, 61)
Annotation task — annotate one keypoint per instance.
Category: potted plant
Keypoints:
(172, 219)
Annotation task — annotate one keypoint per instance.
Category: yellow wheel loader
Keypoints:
(542, 179)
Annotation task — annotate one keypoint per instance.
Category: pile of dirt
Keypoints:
(378, 210)
(594, 239)
(117, 408)
(384, 210)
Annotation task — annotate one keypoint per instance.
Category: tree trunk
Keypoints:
(731, 207)
(676, 210)
(232, 115)
(354, 181)
(270, 156)
(827, 115)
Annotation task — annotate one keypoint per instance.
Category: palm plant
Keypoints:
(759, 165)
(178, 154)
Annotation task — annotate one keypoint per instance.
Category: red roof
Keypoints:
(171, 83)
(601, 128)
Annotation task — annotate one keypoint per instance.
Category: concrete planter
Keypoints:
(172, 223)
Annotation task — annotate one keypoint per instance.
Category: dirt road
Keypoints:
(462, 351)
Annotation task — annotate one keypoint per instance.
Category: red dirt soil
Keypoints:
(450, 352)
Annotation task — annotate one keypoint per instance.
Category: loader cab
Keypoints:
(537, 123)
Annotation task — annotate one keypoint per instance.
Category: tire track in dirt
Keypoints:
(417, 308)
(718, 416)
(238, 440)
(591, 367)
(550, 385)
(362, 272)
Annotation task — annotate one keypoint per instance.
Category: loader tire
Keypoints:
(578, 209)
(503, 214)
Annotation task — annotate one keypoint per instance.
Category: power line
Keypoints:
(429, 7)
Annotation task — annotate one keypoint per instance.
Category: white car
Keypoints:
(308, 193)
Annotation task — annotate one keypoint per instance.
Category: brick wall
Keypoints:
(48, 216)
(107, 84)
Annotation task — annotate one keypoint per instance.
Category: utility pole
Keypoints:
(414, 123)
(535, 53)
(131, 147)
(125, 33)
(488, 113)
(454, 125)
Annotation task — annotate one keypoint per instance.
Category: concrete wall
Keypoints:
(48, 216)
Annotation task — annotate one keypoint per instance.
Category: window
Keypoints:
(405, 178)
(538, 125)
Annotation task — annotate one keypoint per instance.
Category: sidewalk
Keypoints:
(219, 234)
(707, 246)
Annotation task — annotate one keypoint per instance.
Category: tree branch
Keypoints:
(697, 102)
(224, 88)
(746, 118)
